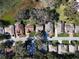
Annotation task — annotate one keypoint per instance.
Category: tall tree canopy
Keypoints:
(54, 16)
(71, 13)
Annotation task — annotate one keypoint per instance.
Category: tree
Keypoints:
(20, 50)
(40, 15)
(57, 3)
(72, 15)
(62, 17)
(4, 23)
(54, 16)
(28, 17)
(31, 21)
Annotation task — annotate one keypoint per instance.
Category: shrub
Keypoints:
(76, 35)
(73, 42)
(66, 42)
(32, 34)
(77, 42)
(54, 42)
(63, 35)
(1, 36)
(9, 19)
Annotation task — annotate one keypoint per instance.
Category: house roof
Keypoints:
(77, 0)
(29, 26)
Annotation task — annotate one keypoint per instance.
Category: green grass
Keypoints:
(77, 42)
(1, 36)
(9, 19)
(74, 42)
(76, 35)
(54, 42)
(32, 34)
(66, 42)
(63, 35)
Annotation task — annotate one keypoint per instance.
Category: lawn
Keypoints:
(66, 42)
(76, 35)
(63, 35)
(9, 19)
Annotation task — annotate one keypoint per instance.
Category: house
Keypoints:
(49, 28)
(39, 27)
(59, 49)
(59, 28)
(52, 48)
(77, 29)
(78, 47)
(69, 28)
(77, 5)
(1, 30)
(62, 49)
(10, 29)
(77, 0)
(19, 29)
(72, 49)
(28, 28)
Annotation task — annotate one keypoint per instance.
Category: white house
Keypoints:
(77, 0)
(77, 29)
(49, 28)
(39, 27)
(10, 29)
(52, 48)
(78, 47)
(77, 7)
(1, 30)
(62, 49)
(72, 49)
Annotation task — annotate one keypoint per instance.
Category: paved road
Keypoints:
(63, 38)
(49, 39)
